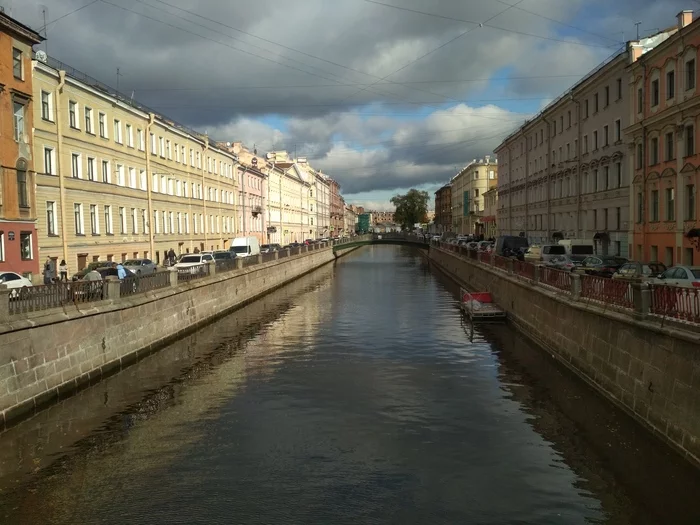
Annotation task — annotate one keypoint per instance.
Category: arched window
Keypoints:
(22, 197)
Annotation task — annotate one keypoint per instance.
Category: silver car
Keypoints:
(140, 266)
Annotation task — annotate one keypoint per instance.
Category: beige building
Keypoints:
(565, 173)
(468, 189)
(115, 181)
(291, 199)
(490, 218)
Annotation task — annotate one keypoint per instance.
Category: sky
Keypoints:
(382, 95)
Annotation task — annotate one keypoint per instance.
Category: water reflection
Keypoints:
(351, 396)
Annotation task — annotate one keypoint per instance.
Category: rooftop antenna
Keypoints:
(638, 24)
(118, 75)
(46, 39)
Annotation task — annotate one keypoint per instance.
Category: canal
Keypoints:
(351, 396)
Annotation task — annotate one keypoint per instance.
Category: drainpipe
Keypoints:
(579, 230)
(149, 184)
(243, 225)
(549, 177)
(645, 216)
(527, 188)
(207, 222)
(59, 156)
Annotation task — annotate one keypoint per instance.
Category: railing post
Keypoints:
(509, 266)
(173, 277)
(112, 288)
(211, 267)
(641, 298)
(537, 273)
(277, 255)
(239, 263)
(4, 303)
(259, 257)
(575, 286)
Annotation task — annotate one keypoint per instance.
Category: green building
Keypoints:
(363, 223)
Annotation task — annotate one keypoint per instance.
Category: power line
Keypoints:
(485, 24)
(68, 14)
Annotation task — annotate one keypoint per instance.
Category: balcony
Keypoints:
(256, 210)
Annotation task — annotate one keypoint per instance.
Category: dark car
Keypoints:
(639, 271)
(93, 266)
(601, 265)
(510, 245)
(223, 255)
(563, 262)
(111, 271)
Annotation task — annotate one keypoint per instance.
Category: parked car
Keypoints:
(223, 255)
(140, 266)
(639, 271)
(245, 246)
(111, 271)
(544, 253)
(92, 266)
(507, 245)
(15, 282)
(685, 276)
(193, 261)
(484, 246)
(562, 262)
(601, 265)
(273, 247)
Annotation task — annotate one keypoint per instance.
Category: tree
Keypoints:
(411, 208)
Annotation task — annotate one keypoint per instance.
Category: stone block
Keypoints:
(47, 369)
(26, 378)
(683, 397)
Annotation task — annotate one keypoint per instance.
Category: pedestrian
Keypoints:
(63, 270)
(121, 272)
(48, 271)
(171, 256)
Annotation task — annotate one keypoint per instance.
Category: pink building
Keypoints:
(252, 184)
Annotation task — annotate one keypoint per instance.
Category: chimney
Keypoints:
(236, 147)
(634, 51)
(684, 18)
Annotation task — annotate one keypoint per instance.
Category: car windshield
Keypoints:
(132, 262)
(581, 249)
(191, 259)
(239, 249)
(222, 255)
(264, 246)
(695, 272)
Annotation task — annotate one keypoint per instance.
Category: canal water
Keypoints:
(351, 396)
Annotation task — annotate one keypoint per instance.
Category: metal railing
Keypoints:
(524, 269)
(44, 297)
(500, 262)
(485, 258)
(225, 265)
(559, 279)
(144, 283)
(282, 254)
(268, 257)
(675, 301)
(249, 261)
(609, 291)
(193, 272)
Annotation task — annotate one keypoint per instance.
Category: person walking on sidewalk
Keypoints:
(49, 273)
(63, 270)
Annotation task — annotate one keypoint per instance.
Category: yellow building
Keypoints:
(468, 189)
(115, 181)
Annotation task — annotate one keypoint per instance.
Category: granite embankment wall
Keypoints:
(50, 354)
(650, 369)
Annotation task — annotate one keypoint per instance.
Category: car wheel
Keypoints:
(138, 272)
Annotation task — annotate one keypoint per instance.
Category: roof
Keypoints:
(18, 28)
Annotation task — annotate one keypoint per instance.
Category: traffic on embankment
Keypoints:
(57, 338)
(635, 342)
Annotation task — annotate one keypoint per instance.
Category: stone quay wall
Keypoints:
(647, 366)
(51, 354)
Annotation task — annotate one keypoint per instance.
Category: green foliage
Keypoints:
(411, 208)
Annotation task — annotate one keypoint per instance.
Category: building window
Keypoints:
(17, 66)
(117, 131)
(670, 204)
(585, 108)
(88, 120)
(46, 112)
(606, 171)
(554, 130)
(161, 145)
(606, 136)
(655, 205)
(690, 202)
(640, 157)
(561, 124)
(25, 246)
(75, 165)
(585, 144)
(73, 114)
(153, 144)
(669, 256)
(179, 222)
(94, 220)
(51, 218)
(101, 117)
(105, 171)
(134, 222)
(595, 140)
(595, 180)
(143, 180)
(144, 223)
(91, 168)
(607, 96)
(690, 74)
(689, 141)
(129, 136)
(18, 115)
(640, 208)
(654, 93)
(139, 137)
(78, 217)
(618, 130)
(640, 101)
(168, 151)
(49, 158)
(187, 223)
(668, 153)
(22, 194)
(618, 174)
(619, 88)
(122, 220)
(120, 175)
(670, 84)
(595, 103)
(654, 153)
(108, 220)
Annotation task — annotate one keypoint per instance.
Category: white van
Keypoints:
(245, 246)
(578, 247)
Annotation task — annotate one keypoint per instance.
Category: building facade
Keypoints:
(490, 218)
(337, 209)
(350, 220)
(116, 181)
(664, 118)
(565, 173)
(467, 192)
(18, 206)
(443, 209)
